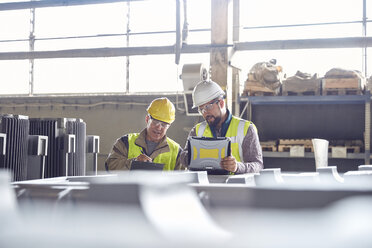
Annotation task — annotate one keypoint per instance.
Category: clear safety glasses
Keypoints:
(157, 123)
(207, 107)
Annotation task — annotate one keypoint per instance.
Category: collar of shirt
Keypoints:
(224, 126)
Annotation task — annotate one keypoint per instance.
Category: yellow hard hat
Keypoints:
(162, 109)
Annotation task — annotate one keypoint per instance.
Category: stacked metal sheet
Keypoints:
(78, 128)
(66, 145)
(16, 129)
(47, 128)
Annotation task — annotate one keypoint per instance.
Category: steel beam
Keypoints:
(201, 48)
(54, 3)
(102, 52)
(305, 44)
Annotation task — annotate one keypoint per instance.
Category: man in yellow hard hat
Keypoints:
(246, 152)
(151, 144)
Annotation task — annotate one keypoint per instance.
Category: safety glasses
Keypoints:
(157, 123)
(207, 107)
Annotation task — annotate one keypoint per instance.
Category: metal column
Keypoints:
(367, 130)
(32, 48)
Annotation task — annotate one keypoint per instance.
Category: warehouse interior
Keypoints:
(299, 71)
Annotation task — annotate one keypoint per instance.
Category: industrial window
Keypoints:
(105, 25)
(85, 26)
(17, 28)
(14, 77)
(152, 73)
(79, 75)
(285, 20)
(14, 37)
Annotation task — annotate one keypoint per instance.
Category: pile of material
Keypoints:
(301, 84)
(264, 78)
(339, 81)
(369, 84)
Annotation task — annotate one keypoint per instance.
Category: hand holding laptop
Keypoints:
(229, 163)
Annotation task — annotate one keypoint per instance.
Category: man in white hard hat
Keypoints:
(152, 144)
(246, 152)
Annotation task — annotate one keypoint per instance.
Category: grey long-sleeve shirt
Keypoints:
(252, 152)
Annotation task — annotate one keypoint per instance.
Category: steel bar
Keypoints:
(54, 3)
(200, 48)
(347, 42)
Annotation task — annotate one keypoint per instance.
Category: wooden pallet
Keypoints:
(349, 149)
(359, 143)
(269, 146)
(295, 86)
(339, 83)
(287, 148)
(254, 88)
(257, 93)
(342, 91)
(304, 93)
(347, 143)
(305, 142)
(342, 151)
(353, 149)
(342, 86)
(286, 144)
(260, 93)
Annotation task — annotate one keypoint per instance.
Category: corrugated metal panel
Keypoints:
(61, 160)
(16, 128)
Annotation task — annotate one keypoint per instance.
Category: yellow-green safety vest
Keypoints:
(237, 130)
(167, 158)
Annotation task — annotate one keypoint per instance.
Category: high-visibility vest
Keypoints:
(237, 130)
(167, 158)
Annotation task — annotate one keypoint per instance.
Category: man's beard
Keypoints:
(215, 122)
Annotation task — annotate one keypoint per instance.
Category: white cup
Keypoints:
(320, 152)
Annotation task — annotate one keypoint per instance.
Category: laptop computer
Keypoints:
(205, 154)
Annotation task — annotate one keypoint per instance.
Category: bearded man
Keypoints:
(246, 151)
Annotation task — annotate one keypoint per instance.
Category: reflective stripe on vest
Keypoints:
(167, 158)
(237, 130)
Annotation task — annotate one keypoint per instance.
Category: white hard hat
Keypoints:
(206, 91)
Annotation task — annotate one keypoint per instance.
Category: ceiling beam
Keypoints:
(54, 3)
(348, 42)
(103, 52)
(353, 42)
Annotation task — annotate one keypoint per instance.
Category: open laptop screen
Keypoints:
(206, 153)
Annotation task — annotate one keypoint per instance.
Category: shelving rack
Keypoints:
(303, 117)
